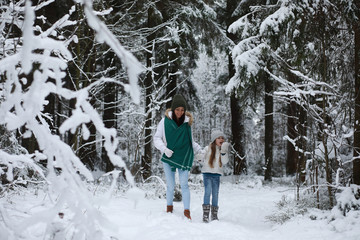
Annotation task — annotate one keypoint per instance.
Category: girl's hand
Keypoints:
(225, 147)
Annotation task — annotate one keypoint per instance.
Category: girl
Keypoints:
(215, 157)
(174, 139)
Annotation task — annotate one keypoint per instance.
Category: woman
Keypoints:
(174, 139)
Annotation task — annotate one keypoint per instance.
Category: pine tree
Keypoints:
(228, 15)
(352, 16)
(356, 164)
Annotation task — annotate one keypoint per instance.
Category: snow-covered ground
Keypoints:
(243, 211)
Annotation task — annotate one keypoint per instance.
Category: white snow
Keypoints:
(275, 20)
(243, 210)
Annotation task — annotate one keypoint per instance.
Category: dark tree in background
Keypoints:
(152, 21)
(292, 155)
(356, 152)
(81, 74)
(269, 124)
(237, 120)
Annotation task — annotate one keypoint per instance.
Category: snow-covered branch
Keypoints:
(41, 62)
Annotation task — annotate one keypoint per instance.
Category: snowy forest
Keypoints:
(84, 83)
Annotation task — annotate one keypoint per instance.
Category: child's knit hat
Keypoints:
(215, 134)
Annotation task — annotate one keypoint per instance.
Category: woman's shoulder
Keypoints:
(190, 117)
(168, 113)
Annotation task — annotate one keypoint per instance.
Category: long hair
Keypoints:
(180, 120)
(212, 155)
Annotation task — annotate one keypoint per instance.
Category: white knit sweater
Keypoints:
(204, 159)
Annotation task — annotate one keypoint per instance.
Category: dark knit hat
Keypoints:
(178, 101)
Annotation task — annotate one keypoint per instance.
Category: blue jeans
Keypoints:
(212, 185)
(170, 185)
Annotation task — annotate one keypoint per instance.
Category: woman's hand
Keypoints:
(168, 152)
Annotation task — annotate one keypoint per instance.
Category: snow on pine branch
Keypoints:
(23, 108)
(255, 27)
(253, 22)
(249, 62)
(308, 87)
(242, 25)
(275, 20)
(9, 16)
(20, 161)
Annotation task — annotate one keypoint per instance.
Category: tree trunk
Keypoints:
(85, 58)
(109, 119)
(87, 148)
(237, 121)
(292, 155)
(173, 52)
(237, 128)
(146, 160)
(356, 152)
(301, 144)
(326, 121)
(296, 131)
(269, 126)
(148, 84)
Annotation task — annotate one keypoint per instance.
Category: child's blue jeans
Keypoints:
(170, 185)
(211, 184)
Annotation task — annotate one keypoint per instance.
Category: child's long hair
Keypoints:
(212, 155)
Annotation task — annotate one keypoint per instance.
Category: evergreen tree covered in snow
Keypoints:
(29, 75)
(298, 44)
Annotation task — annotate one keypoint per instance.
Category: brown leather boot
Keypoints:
(187, 213)
(169, 208)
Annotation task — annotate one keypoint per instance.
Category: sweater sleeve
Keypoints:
(159, 137)
(196, 147)
(200, 156)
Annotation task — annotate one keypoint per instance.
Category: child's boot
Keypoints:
(206, 212)
(214, 213)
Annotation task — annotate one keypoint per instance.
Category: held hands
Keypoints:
(200, 155)
(168, 152)
(202, 152)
